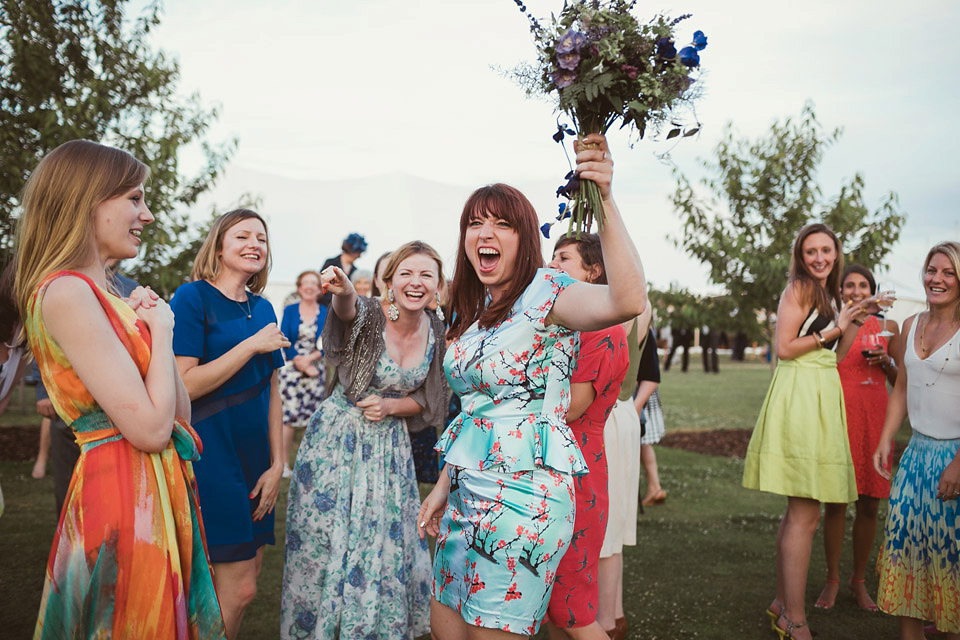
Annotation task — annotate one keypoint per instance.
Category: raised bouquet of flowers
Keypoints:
(602, 65)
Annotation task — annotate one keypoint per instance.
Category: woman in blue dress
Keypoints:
(355, 566)
(503, 507)
(227, 345)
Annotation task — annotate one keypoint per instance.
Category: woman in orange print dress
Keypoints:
(128, 559)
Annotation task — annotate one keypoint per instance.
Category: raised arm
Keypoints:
(334, 280)
(588, 307)
(142, 409)
(896, 406)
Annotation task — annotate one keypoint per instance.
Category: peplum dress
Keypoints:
(603, 361)
(511, 459)
(231, 419)
(799, 446)
(128, 558)
(866, 407)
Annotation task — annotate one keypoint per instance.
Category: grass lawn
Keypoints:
(702, 568)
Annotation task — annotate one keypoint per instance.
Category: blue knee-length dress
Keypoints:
(230, 420)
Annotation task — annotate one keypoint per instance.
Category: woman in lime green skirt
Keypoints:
(799, 447)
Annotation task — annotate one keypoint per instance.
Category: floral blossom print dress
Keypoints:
(355, 564)
(133, 565)
(511, 459)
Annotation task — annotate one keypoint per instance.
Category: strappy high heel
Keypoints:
(774, 615)
(870, 607)
(787, 633)
(826, 604)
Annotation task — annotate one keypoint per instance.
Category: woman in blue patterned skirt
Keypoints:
(503, 507)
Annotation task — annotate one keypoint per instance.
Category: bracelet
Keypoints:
(859, 324)
(819, 339)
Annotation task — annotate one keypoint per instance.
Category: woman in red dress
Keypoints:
(864, 373)
(600, 367)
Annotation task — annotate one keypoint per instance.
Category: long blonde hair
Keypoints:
(951, 251)
(207, 264)
(55, 229)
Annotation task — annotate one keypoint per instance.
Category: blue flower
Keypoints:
(563, 78)
(395, 530)
(689, 57)
(545, 229)
(306, 620)
(293, 541)
(563, 211)
(568, 61)
(350, 442)
(323, 502)
(665, 49)
(570, 41)
(572, 186)
(367, 451)
(304, 475)
(699, 40)
(356, 577)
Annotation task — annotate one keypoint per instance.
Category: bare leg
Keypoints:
(40, 466)
(610, 583)
(648, 458)
(864, 532)
(236, 584)
(796, 542)
(834, 526)
(911, 629)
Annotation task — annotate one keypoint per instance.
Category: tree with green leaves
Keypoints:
(757, 195)
(74, 69)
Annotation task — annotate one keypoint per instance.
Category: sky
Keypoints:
(381, 116)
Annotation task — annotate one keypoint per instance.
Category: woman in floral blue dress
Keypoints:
(355, 566)
(503, 508)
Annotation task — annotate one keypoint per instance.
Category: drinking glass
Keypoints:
(870, 343)
(886, 295)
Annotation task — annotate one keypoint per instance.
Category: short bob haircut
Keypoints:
(826, 300)
(413, 248)
(951, 250)
(591, 253)
(208, 263)
(469, 295)
(863, 271)
(55, 230)
(304, 274)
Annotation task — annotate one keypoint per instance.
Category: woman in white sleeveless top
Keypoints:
(920, 560)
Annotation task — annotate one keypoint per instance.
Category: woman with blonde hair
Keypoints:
(129, 549)
(799, 447)
(227, 345)
(919, 563)
(355, 566)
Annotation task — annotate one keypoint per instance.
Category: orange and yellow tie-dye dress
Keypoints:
(129, 557)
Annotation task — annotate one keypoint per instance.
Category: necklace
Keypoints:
(924, 351)
(249, 311)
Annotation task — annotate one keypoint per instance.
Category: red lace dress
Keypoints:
(866, 406)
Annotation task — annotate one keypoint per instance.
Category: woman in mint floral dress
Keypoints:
(355, 566)
(503, 508)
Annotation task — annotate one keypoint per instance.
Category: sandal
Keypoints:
(787, 633)
(821, 603)
(657, 497)
(774, 615)
(871, 606)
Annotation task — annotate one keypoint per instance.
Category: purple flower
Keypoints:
(630, 69)
(665, 49)
(570, 41)
(699, 40)
(563, 78)
(689, 57)
(568, 61)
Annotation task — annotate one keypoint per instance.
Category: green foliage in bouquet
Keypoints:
(603, 65)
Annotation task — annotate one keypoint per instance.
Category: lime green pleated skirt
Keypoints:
(799, 446)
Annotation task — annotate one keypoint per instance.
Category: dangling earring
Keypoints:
(439, 308)
(392, 312)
